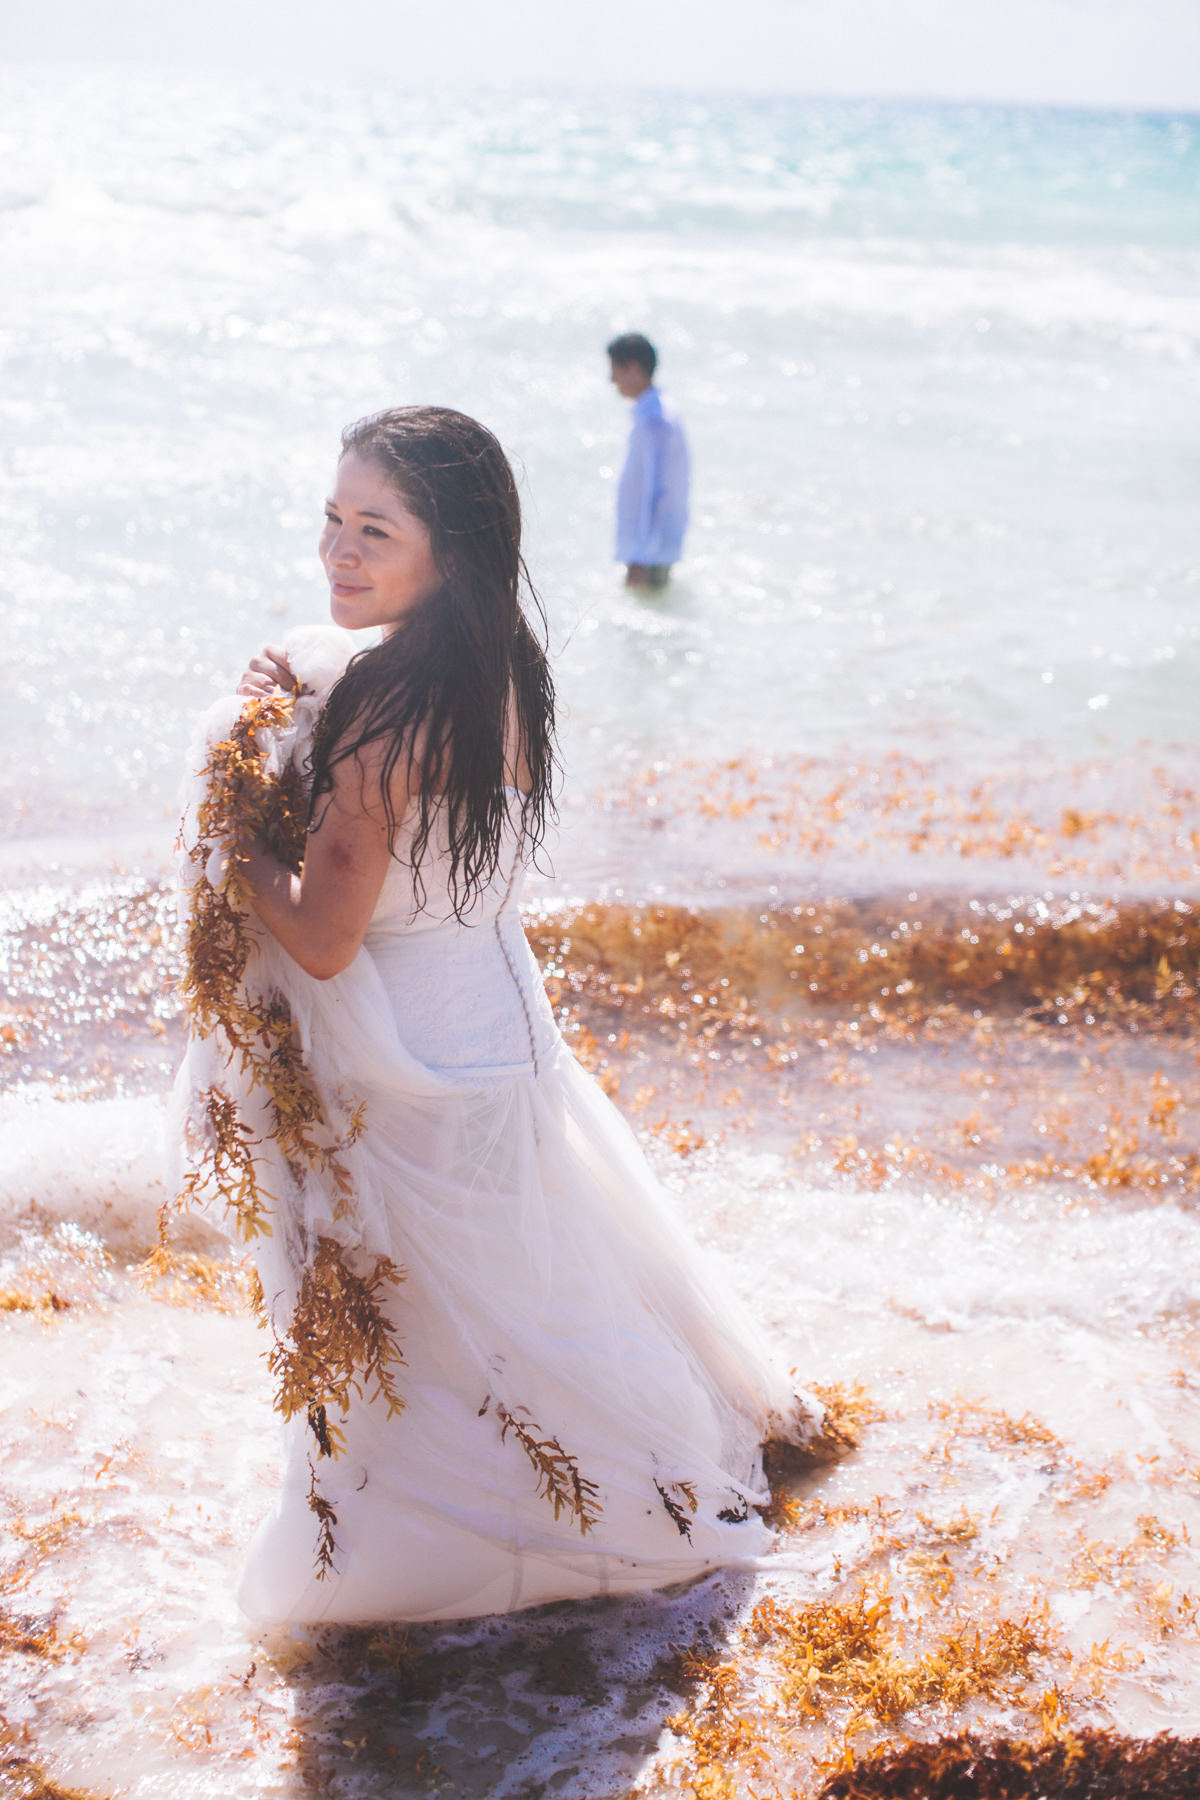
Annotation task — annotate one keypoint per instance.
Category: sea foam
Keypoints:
(96, 1164)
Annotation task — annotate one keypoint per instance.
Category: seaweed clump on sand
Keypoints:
(723, 969)
(1088, 1765)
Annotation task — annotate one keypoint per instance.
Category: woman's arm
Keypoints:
(321, 915)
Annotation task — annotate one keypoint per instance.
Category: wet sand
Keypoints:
(947, 1141)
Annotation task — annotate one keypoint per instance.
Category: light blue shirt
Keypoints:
(652, 497)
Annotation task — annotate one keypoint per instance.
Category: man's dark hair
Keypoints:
(632, 347)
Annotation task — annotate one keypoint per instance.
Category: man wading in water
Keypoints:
(652, 496)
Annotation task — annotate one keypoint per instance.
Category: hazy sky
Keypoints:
(1084, 52)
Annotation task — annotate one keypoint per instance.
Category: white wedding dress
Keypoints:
(548, 1284)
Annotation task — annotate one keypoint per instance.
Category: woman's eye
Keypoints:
(373, 531)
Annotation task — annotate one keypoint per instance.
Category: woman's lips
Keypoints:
(343, 589)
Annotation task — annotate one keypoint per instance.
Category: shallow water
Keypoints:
(873, 906)
(938, 365)
(1036, 1449)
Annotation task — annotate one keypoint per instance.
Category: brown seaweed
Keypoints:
(339, 1342)
(558, 1475)
(1084, 1765)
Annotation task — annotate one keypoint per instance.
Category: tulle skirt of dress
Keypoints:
(548, 1285)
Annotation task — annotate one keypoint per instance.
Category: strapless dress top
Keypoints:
(467, 994)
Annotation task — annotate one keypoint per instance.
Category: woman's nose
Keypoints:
(340, 549)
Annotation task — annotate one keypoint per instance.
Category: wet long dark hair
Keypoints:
(462, 677)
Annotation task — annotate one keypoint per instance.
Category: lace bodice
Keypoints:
(467, 994)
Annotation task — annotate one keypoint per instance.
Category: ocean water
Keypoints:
(874, 903)
(938, 366)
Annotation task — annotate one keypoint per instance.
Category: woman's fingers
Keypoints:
(268, 670)
(258, 679)
(272, 661)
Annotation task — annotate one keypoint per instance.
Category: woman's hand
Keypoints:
(268, 670)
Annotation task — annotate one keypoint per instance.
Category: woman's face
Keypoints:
(376, 553)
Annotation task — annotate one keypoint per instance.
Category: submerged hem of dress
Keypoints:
(456, 1614)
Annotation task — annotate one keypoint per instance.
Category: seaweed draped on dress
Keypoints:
(583, 1401)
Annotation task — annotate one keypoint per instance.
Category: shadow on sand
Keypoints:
(567, 1700)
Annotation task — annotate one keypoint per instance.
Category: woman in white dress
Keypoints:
(547, 1393)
